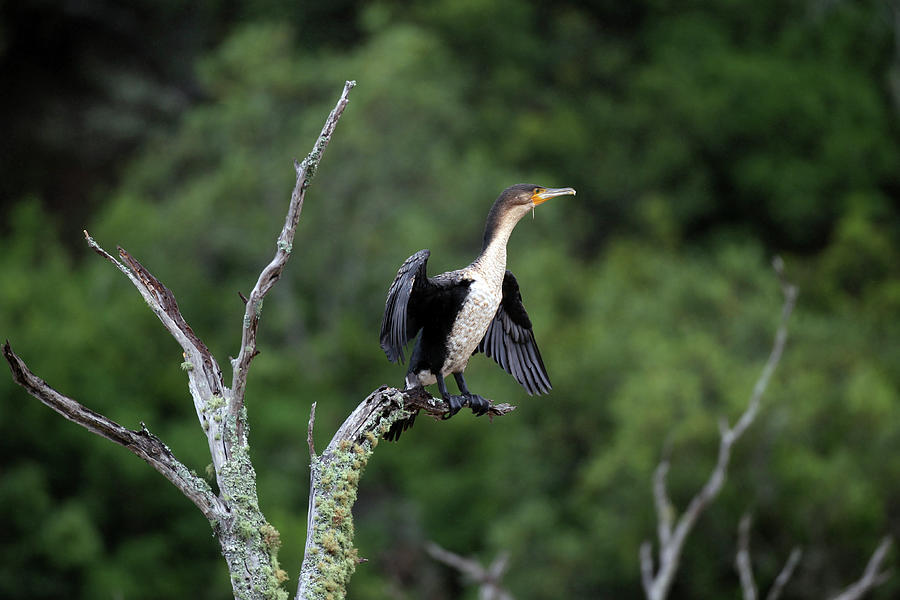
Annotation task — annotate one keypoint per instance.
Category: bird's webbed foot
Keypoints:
(478, 404)
(455, 403)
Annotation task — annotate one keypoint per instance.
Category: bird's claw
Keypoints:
(479, 404)
(455, 403)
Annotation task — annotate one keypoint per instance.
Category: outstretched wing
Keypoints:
(510, 341)
(399, 324)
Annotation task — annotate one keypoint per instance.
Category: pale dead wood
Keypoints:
(785, 574)
(205, 381)
(142, 443)
(283, 247)
(657, 579)
(744, 566)
(742, 560)
(488, 579)
(872, 577)
(249, 543)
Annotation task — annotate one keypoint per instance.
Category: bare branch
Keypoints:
(248, 541)
(142, 443)
(785, 575)
(664, 510)
(272, 272)
(204, 375)
(872, 576)
(309, 432)
(329, 557)
(670, 552)
(647, 568)
(745, 568)
(742, 560)
(488, 579)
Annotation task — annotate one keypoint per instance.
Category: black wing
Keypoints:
(399, 324)
(510, 341)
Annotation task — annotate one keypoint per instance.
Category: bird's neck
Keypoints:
(492, 261)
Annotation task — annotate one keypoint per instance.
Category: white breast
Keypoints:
(471, 323)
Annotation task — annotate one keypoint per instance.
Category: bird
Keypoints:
(458, 313)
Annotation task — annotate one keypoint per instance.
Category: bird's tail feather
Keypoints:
(399, 427)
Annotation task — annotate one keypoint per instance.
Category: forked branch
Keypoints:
(272, 272)
(671, 533)
(329, 558)
(487, 579)
(872, 577)
(249, 543)
(744, 566)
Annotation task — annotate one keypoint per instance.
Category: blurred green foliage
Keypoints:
(702, 138)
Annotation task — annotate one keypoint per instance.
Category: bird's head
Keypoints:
(515, 202)
(523, 197)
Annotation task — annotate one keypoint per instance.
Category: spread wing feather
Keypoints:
(400, 324)
(509, 340)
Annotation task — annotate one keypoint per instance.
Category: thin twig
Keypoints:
(871, 577)
(664, 510)
(309, 432)
(657, 583)
(488, 579)
(272, 272)
(742, 559)
(785, 575)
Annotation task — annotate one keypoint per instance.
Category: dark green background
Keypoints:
(702, 137)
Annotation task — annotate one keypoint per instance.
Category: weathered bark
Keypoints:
(249, 543)
(330, 559)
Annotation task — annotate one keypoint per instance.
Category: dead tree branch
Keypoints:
(744, 565)
(143, 443)
(329, 558)
(249, 543)
(785, 574)
(872, 577)
(272, 272)
(657, 580)
(742, 560)
(488, 579)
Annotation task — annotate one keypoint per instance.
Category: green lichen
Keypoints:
(214, 403)
(245, 529)
(271, 537)
(285, 245)
(250, 539)
(331, 559)
(187, 366)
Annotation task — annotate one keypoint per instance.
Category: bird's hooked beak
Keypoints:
(541, 195)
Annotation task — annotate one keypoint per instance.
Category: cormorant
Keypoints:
(476, 308)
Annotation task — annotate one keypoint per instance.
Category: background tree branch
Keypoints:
(488, 579)
(657, 580)
(744, 565)
(872, 577)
